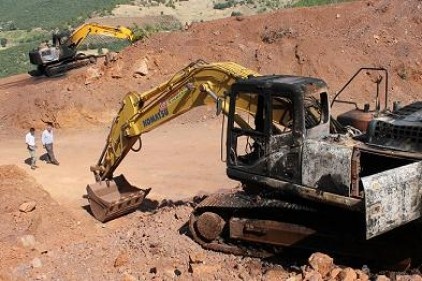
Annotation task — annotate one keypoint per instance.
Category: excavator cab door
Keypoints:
(262, 133)
(283, 153)
(248, 132)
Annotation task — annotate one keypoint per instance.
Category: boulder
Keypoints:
(116, 70)
(92, 73)
(140, 68)
(110, 57)
(27, 206)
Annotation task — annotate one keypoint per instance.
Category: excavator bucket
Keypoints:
(113, 198)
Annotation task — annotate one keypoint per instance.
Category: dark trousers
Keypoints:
(50, 153)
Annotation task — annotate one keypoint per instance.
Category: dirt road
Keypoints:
(177, 161)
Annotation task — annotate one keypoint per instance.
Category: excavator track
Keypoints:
(254, 226)
(208, 220)
(56, 70)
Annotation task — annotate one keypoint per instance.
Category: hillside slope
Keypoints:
(331, 42)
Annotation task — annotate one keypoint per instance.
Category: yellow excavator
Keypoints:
(306, 178)
(62, 55)
(197, 84)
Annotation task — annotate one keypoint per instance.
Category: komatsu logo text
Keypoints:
(163, 112)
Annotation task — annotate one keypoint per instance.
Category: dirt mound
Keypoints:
(31, 222)
(331, 42)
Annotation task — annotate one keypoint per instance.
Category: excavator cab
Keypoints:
(280, 112)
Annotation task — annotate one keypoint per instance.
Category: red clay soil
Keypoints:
(330, 42)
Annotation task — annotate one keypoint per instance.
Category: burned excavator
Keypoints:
(305, 178)
(62, 55)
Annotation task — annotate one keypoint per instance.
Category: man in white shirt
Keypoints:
(30, 144)
(47, 139)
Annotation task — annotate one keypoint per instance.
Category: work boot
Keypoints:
(56, 163)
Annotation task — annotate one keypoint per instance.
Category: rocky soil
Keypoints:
(40, 240)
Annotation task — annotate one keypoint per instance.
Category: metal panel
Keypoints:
(392, 198)
(327, 166)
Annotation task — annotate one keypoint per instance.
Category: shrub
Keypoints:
(224, 5)
(3, 42)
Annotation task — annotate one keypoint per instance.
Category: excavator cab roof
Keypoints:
(281, 85)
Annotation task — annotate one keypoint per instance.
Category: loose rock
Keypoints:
(347, 274)
(141, 68)
(28, 241)
(27, 206)
(274, 274)
(320, 262)
(36, 263)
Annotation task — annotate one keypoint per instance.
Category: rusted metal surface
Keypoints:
(356, 118)
(355, 171)
(327, 166)
(267, 231)
(300, 191)
(210, 225)
(401, 130)
(392, 198)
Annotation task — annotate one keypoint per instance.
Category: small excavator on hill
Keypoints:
(56, 59)
(305, 177)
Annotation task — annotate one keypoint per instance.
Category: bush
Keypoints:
(14, 60)
(224, 5)
(3, 42)
(236, 14)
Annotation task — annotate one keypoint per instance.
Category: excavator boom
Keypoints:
(84, 30)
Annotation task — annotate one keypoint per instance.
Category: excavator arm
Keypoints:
(76, 38)
(197, 84)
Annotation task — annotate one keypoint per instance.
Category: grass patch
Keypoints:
(14, 60)
(308, 3)
(24, 14)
